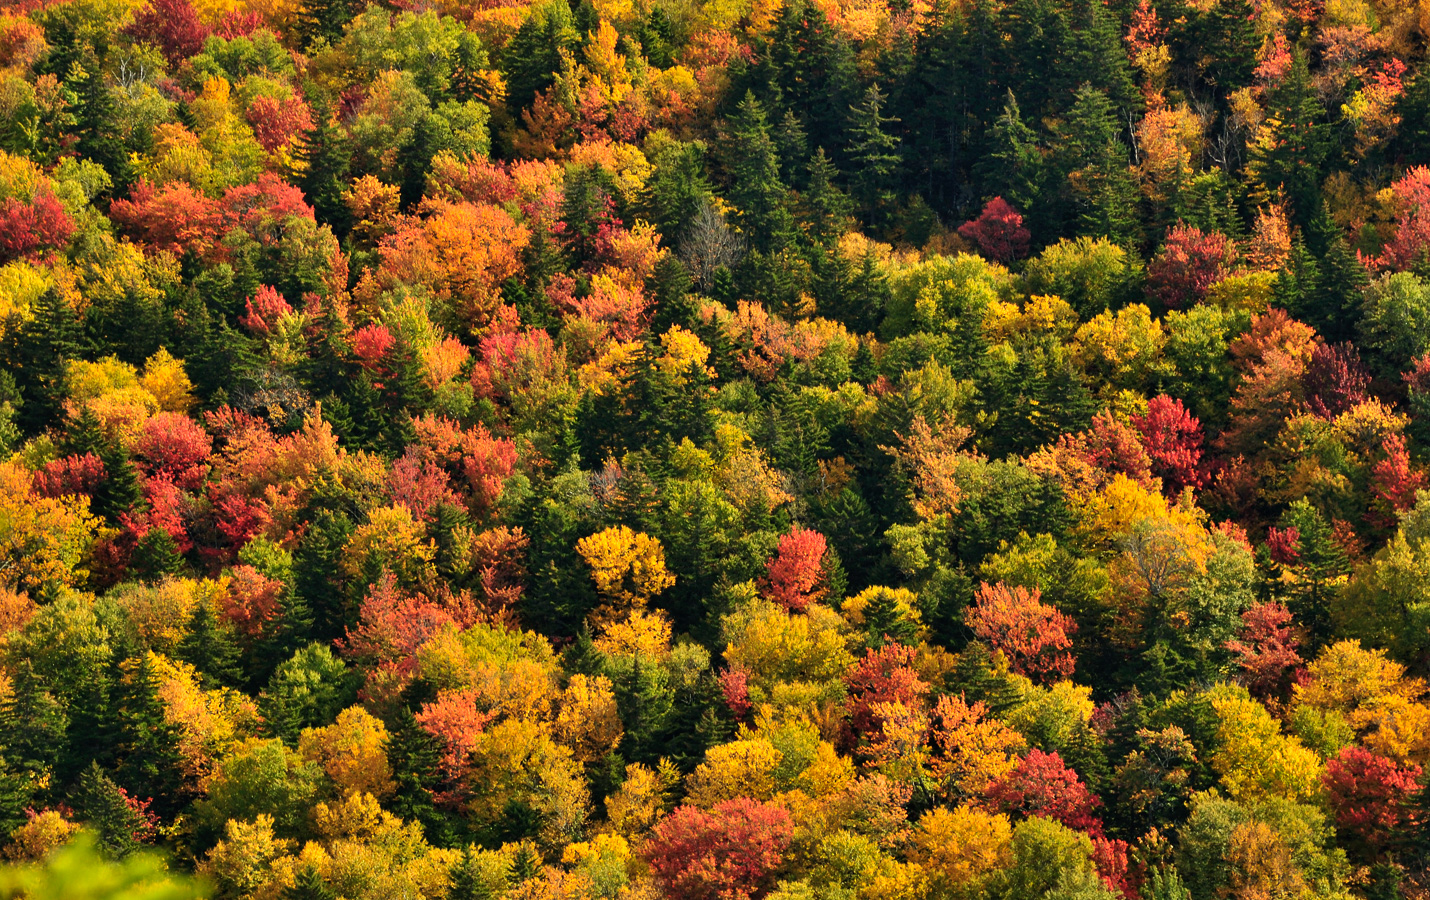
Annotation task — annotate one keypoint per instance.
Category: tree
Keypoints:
(873, 155)
(309, 885)
(122, 823)
(1289, 153)
(1369, 796)
(795, 575)
(756, 189)
(77, 871)
(210, 649)
(1267, 650)
(731, 851)
(1042, 785)
(1188, 264)
(326, 159)
(998, 232)
(1035, 637)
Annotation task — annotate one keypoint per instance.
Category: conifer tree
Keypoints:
(325, 158)
(210, 649)
(755, 186)
(97, 127)
(873, 155)
(150, 763)
(1293, 146)
(105, 807)
(309, 885)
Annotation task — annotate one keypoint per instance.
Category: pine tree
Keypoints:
(43, 346)
(323, 20)
(430, 135)
(873, 156)
(309, 885)
(105, 807)
(755, 186)
(470, 881)
(414, 755)
(315, 579)
(883, 622)
(325, 160)
(677, 189)
(533, 57)
(150, 762)
(1293, 145)
(97, 126)
(210, 649)
(1101, 177)
(156, 556)
(1334, 305)
(825, 207)
(672, 287)
(35, 727)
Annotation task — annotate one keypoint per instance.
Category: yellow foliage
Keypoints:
(39, 835)
(210, 723)
(905, 604)
(588, 721)
(395, 540)
(975, 750)
(642, 798)
(242, 863)
(1107, 515)
(21, 286)
(774, 646)
(42, 540)
(959, 848)
(644, 635)
(744, 768)
(627, 566)
(112, 391)
(161, 612)
(1372, 693)
(685, 354)
(1254, 759)
(353, 751)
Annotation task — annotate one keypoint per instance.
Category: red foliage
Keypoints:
(1335, 380)
(1112, 447)
(885, 675)
(251, 600)
(175, 447)
(512, 361)
(794, 576)
(480, 463)
(1172, 437)
(238, 23)
(1110, 856)
(728, 853)
(998, 232)
(499, 559)
(1189, 263)
(239, 519)
(735, 687)
(26, 228)
(1412, 237)
(1034, 636)
(69, 475)
(1042, 785)
(370, 344)
(1369, 796)
(167, 508)
(1393, 482)
(1267, 650)
(175, 217)
(455, 720)
(394, 624)
(276, 122)
(419, 483)
(173, 26)
(1284, 544)
(265, 308)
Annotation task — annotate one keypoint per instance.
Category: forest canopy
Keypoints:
(714, 449)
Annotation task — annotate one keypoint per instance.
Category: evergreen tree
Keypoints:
(808, 69)
(156, 556)
(1107, 193)
(38, 359)
(309, 885)
(430, 135)
(824, 206)
(677, 189)
(1333, 306)
(35, 727)
(326, 159)
(472, 881)
(323, 20)
(873, 156)
(97, 127)
(533, 57)
(1013, 167)
(210, 649)
(150, 763)
(113, 815)
(1289, 155)
(316, 582)
(755, 186)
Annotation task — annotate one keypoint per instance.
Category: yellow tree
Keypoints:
(628, 568)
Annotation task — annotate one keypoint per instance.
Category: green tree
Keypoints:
(756, 190)
(873, 155)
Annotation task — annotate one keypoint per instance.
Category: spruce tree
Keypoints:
(155, 555)
(309, 885)
(1289, 155)
(210, 649)
(533, 57)
(755, 186)
(873, 156)
(150, 763)
(97, 127)
(824, 206)
(38, 360)
(326, 161)
(105, 807)
(35, 728)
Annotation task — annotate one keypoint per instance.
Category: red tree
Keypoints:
(175, 447)
(251, 599)
(1267, 649)
(419, 483)
(1369, 796)
(1042, 785)
(175, 217)
(479, 463)
(264, 309)
(885, 675)
(728, 853)
(1393, 482)
(1034, 636)
(998, 232)
(1188, 264)
(1172, 437)
(172, 26)
(26, 228)
(794, 576)
(69, 475)
(1412, 198)
(1335, 380)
